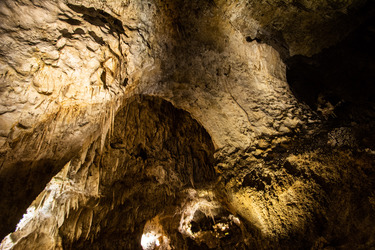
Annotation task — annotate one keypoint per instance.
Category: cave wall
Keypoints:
(139, 109)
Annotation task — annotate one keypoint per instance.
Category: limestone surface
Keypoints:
(186, 124)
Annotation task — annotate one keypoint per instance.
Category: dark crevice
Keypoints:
(19, 185)
(79, 31)
(338, 83)
(71, 21)
(96, 38)
(103, 78)
(249, 39)
(125, 82)
(65, 33)
(100, 18)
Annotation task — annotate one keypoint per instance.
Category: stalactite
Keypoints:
(185, 114)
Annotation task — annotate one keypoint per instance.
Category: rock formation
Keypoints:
(174, 124)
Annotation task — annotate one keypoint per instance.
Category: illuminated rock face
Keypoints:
(186, 124)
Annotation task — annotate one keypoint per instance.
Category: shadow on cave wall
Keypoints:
(338, 83)
(343, 73)
(20, 184)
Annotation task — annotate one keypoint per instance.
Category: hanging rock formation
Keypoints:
(187, 124)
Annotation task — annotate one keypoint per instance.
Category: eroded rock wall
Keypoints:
(64, 68)
(104, 196)
(134, 98)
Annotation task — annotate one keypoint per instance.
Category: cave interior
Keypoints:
(174, 124)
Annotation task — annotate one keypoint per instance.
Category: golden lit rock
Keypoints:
(187, 124)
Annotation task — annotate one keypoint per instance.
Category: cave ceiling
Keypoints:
(175, 124)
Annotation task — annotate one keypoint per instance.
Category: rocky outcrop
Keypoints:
(176, 120)
(60, 76)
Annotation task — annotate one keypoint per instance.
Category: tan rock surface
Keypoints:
(178, 114)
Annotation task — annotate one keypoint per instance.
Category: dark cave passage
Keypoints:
(339, 81)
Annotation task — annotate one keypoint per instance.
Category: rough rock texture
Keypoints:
(60, 76)
(117, 180)
(197, 124)
(297, 27)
